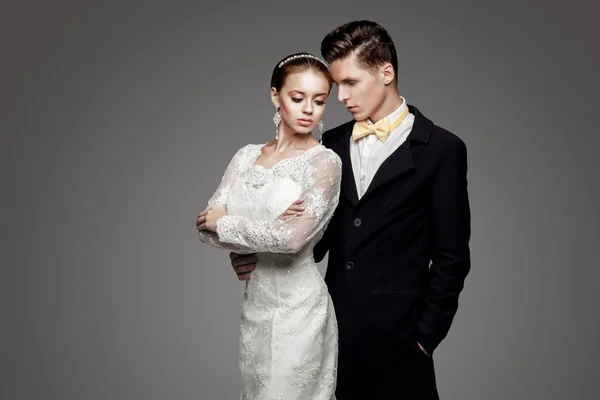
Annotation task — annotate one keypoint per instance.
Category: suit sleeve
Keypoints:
(450, 254)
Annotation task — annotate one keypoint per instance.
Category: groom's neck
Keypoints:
(390, 104)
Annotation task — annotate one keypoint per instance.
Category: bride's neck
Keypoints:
(291, 140)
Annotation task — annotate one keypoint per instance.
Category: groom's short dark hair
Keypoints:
(371, 43)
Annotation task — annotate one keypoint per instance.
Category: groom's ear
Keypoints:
(387, 72)
(275, 97)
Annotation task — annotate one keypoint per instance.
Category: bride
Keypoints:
(288, 340)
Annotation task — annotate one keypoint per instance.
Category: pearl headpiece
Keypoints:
(301, 56)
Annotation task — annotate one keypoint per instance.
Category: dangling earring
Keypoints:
(276, 121)
(321, 126)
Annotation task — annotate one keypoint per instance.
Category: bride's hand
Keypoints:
(295, 210)
(208, 218)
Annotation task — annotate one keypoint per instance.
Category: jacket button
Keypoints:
(357, 222)
(349, 265)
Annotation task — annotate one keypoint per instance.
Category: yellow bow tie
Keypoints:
(381, 129)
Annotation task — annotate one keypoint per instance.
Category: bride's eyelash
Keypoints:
(318, 102)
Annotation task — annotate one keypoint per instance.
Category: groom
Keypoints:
(398, 242)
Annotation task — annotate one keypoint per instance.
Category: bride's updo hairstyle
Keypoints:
(296, 63)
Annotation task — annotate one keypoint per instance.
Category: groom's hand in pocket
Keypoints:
(423, 350)
(243, 265)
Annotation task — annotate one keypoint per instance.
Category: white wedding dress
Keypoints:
(289, 337)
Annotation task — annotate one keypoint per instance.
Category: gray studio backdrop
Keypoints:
(117, 122)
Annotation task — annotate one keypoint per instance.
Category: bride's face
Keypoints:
(302, 100)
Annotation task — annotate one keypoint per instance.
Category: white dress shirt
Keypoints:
(368, 153)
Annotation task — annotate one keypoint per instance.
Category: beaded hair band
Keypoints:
(301, 56)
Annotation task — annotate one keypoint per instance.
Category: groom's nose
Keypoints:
(342, 94)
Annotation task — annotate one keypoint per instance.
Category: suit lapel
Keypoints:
(401, 160)
(348, 182)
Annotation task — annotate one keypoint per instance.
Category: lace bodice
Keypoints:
(254, 196)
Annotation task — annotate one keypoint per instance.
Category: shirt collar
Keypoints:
(395, 114)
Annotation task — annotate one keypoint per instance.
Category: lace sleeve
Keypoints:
(320, 201)
(219, 200)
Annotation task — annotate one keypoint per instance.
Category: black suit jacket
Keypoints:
(398, 257)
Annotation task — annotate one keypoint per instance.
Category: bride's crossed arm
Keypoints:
(244, 236)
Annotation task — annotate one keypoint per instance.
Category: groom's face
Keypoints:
(360, 89)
